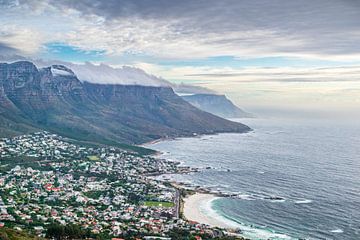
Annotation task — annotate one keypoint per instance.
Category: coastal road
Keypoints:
(177, 203)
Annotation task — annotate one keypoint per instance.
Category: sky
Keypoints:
(266, 55)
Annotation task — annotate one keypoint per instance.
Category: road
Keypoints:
(177, 203)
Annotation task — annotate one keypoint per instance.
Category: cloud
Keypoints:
(124, 75)
(184, 88)
(198, 29)
(17, 39)
(266, 74)
(231, 27)
(7, 50)
(102, 73)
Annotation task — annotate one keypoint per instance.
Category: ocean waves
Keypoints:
(298, 180)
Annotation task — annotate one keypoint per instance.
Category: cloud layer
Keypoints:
(188, 29)
(123, 75)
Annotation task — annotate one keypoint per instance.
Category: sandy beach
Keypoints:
(197, 207)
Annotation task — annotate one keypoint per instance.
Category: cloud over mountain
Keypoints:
(123, 75)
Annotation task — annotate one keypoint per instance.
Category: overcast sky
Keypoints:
(275, 53)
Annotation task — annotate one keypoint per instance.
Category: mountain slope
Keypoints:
(54, 99)
(216, 104)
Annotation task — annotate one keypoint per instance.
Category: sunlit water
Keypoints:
(313, 166)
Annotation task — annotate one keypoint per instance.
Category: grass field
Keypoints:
(158, 204)
(93, 158)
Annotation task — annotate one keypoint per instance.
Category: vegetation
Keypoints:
(98, 141)
(25, 161)
(93, 158)
(11, 234)
(101, 143)
(70, 231)
(158, 204)
(181, 234)
(185, 192)
(95, 194)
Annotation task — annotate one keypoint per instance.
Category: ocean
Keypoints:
(292, 178)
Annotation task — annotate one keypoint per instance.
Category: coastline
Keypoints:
(197, 208)
(196, 204)
(153, 142)
(193, 205)
(194, 135)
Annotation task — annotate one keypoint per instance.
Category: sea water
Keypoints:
(290, 178)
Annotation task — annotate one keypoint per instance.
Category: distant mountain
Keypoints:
(216, 104)
(54, 99)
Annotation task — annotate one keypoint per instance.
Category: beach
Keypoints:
(197, 207)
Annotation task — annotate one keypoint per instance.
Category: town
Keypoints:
(47, 181)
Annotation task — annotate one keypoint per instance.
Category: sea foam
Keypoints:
(248, 231)
(304, 201)
(337, 231)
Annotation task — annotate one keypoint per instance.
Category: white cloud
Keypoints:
(197, 29)
(124, 75)
(318, 89)
(207, 74)
(26, 40)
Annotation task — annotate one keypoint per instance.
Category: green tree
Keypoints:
(55, 231)
(73, 231)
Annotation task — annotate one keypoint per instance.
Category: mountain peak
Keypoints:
(24, 66)
(61, 70)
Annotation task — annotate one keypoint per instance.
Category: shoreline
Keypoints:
(195, 207)
(188, 206)
(194, 135)
(198, 208)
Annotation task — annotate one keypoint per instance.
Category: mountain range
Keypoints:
(54, 99)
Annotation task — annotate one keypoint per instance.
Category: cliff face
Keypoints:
(54, 99)
(20, 83)
(216, 104)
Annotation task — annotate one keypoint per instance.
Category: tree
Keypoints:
(73, 231)
(55, 231)
(60, 232)
(4, 236)
(134, 198)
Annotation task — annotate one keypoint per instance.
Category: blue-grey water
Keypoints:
(313, 166)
